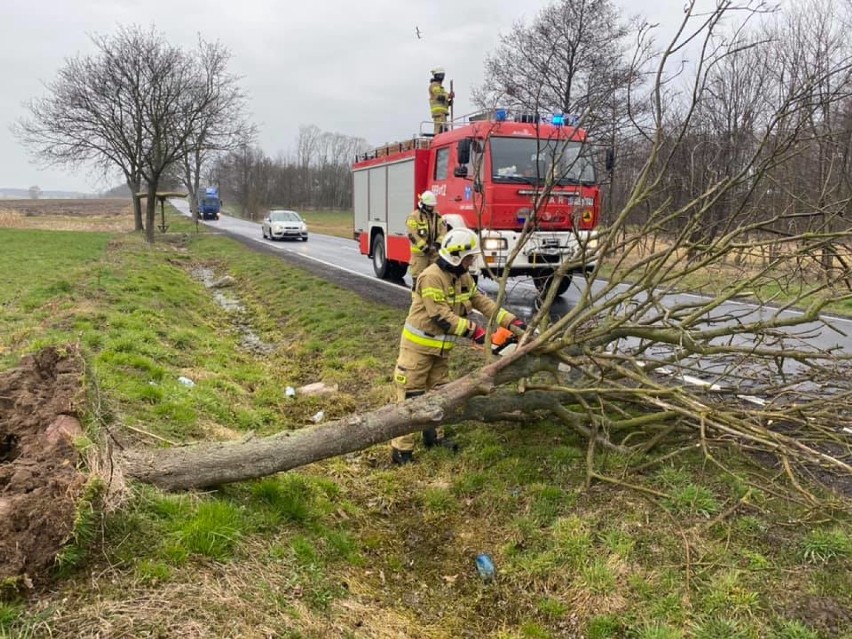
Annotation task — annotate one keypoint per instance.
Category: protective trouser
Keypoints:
(415, 374)
(440, 120)
(417, 264)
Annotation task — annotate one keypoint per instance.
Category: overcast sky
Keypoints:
(350, 67)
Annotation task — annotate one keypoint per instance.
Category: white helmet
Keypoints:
(438, 71)
(427, 198)
(457, 245)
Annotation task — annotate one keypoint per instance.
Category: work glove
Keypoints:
(478, 335)
(518, 327)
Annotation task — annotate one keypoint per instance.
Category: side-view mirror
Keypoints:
(460, 171)
(610, 159)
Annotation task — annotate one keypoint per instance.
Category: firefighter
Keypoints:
(426, 229)
(440, 100)
(442, 299)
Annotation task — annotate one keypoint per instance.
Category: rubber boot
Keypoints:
(431, 439)
(401, 457)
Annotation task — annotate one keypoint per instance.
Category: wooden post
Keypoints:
(163, 227)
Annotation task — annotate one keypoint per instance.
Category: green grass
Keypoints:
(794, 630)
(692, 500)
(350, 546)
(824, 546)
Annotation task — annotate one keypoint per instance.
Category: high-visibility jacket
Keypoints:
(425, 230)
(440, 305)
(439, 99)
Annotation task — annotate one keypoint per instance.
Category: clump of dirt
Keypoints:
(824, 614)
(39, 480)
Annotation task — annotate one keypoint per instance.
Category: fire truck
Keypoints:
(525, 180)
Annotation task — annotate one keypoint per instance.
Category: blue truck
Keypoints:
(209, 203)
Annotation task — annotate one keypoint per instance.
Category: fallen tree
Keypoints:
(213, 464)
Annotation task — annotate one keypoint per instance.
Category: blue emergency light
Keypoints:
(500, 115)
(557, 119)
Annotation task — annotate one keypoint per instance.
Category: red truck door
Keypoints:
(454, 193)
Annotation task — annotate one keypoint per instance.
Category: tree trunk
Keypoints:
(137, 205)
(151, 213)
(213, 464)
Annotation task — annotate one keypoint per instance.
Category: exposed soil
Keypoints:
(107, 214)
(39, 480)
(823, 614)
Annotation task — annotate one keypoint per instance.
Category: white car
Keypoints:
(278, 225)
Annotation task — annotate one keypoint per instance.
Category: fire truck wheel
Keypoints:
(542, 283)
(380, 260)
(396, 270)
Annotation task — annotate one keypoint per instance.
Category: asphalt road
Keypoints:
(340, 261)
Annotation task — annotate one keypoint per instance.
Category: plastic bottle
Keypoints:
(186, 381)
(485, 567)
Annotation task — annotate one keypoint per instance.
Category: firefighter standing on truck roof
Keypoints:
(426, 229)
(439, 100)
(443, 297)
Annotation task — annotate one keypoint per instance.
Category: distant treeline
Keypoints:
(316, 175)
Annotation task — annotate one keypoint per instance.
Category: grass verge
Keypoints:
(352, 547)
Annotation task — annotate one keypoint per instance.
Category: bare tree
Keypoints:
(139, 104)
(221, 127)
(564, 60)
(93, 114)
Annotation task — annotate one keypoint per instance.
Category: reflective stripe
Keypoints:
(433, 293)
(501, 316)
(451, 297)
(416, 336)
(463, 327)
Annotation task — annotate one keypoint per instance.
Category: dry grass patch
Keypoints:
(104, 215)
(787, 273)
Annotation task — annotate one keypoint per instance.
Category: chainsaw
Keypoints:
(503, 341)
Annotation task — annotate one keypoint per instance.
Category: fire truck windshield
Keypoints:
(532, 160)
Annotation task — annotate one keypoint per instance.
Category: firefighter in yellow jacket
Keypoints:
(426, 229)
(439, 100)
(443, 297)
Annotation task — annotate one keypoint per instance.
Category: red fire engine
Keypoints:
(494, 174)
